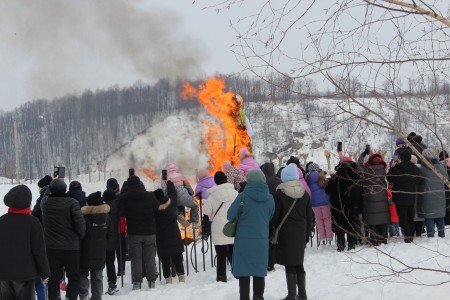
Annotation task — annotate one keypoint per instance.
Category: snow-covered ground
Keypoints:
(362, 274)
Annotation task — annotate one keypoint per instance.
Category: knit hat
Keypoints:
(58, 187)
(94, 199)
(313, 167)
(256, 176)
(399, 141)
(346, 159)
(109, 195)
(75, 185)
(18, 197)
(226, 166)
(133, 180)
(430, 153)
(289, 173)
(112, 183)
(220, 178)
(202, 173)
(405, 155)
(45, 181)
(443, 155)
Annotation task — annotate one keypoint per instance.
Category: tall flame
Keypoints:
(226, 135)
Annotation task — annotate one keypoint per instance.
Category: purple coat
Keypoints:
(248, 164)
(203, 185)
(319, 197)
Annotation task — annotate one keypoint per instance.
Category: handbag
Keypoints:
(273, 237)
(229, 229)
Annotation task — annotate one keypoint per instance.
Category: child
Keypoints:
(205, 182)
(321, 205)
(394, 229)
(246, 162)
(99, 230)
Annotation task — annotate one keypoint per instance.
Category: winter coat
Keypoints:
(318, 195)
(294, 233)
(185, 192)
(345, 197)
(22, 248)
(78, 195)
(114, 240)
(251, 247)
(247, 164)
(272, 180)
(99, 230)
(139, 207)
(303, 181)
(375, 202)
(431, 201)
(226, 194)
(168, 236)
(174, 175)
(446, 164)
(405, 179)
(63, 223)
(235, 177)
(203, 185)
(37, 212)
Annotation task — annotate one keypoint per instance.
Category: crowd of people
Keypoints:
(363, 201)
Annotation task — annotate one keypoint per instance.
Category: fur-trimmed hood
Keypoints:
(293, 189)
(95, 210)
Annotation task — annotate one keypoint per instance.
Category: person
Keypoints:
(445, 161)
(375, 203)
(246, 161)
(320, 202)
(205, 182)
(139, 207)
(185, 192)
(419, 222)
(345, 200)
(43, 184)
(294, 232)
(250, 252)
(273, 182)
(23, 257)
(394, 228)
(64, 227)
(76, 192)
(234, 176)
(169, 244)
(405, 178)
(99, 230)
(219, 201)
(431, 203)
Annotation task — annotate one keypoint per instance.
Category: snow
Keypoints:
(362, 274)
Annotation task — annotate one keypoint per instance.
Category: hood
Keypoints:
(95, 210)
(293, 189)
(220, 188)
(207, 182)
(314, 176)
(268, 169)
(257, 191)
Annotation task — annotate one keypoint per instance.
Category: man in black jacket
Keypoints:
(139, 207)
(43, 184)
(22, 248)
(64, 227)
(405, 177)
(76, 192)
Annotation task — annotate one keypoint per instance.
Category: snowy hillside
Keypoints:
(362, 274)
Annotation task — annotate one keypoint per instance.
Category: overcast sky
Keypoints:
(51, 47)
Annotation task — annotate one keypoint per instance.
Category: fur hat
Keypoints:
(226, 166)
(109, 195)
(112, 183)
(405, 155)
(220, 178)
(443, 155)
(94, 199)
(58, 187)
(290, 173)
(256, 176)
(399, 141)
(75, 185)
(430, 154)
(45, 181)
(133, 180)
(18, 197)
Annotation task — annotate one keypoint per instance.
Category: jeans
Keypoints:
(40, 290)
(70, 261)
(394, 229)
(430, 225)
(96, 284)
(142, 249)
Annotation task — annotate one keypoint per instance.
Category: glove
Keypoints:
(45, 281)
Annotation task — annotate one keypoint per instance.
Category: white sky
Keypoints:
(45, 56)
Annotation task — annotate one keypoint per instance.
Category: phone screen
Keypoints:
(62, 172)
(55, 171)
(130, 172)
(339, 146)
(164, 174)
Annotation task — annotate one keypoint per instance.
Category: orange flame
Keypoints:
(226, 135)
(148, 171)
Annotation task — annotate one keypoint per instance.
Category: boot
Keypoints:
(151, 284)
(291, 280)
(221, 278)
(168, 280)
(301, 283)
(112, 288)
(181, 278)
(136, 286)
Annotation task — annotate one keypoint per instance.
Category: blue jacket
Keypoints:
(251, 243)
(318, 195)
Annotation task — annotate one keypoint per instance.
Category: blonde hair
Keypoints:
(322, 179)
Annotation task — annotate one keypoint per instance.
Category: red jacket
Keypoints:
(392, 210)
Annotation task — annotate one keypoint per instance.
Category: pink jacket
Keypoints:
(247, 164)
(174, 175)
(303, 181)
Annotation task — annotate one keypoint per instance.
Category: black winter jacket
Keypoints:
(98, 231)
(375, 203)
(114, 241)
(22, 248)
(63, 223)
(405, 178)
(272, 180)
(78, 195)
(139, 207)
(37, 212)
